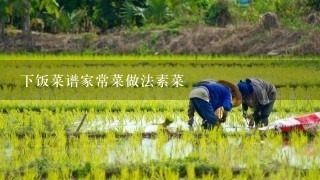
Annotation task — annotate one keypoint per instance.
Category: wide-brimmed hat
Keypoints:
(236, 94)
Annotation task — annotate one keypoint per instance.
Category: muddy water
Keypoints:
(179, 148)
(129, 126)
(148, 150)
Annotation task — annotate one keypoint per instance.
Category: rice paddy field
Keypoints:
(127, 98)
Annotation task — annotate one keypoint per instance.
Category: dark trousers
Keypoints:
(261, 114)
(206, 112)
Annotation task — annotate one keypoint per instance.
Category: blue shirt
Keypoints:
(219, 95)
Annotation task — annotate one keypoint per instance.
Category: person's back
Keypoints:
(259, 95)
(219, 95)
(268, 87)
(207, 97)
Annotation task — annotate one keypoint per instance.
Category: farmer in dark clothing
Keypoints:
(260, 96)
(208, 96)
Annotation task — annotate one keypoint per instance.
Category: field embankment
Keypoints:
(236, 40)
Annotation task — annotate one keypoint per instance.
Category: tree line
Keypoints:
(75, 16)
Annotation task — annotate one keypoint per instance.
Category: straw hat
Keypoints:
(236, 94)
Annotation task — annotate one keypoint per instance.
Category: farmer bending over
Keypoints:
(208, 96)
(260, 96)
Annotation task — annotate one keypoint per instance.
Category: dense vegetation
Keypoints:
(76, 16)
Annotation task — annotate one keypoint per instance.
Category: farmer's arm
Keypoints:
(244, 106)
(191, 111)
(227, 105)
(245, 109)
(256, 112)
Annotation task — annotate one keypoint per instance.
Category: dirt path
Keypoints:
(236, 40)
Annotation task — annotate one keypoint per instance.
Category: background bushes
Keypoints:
(75, 16)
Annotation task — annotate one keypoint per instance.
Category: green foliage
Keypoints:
(242, 14)
(177, 6)
(263, 6)
(289, 8)
(132, 14)
(73, 5)
(197, 6)
(4, 10)
(217, 13)
(314, 4)
(50, 6)
(75, 22)
(106, 14)
(158, 11)
(187, 7)
(74, 16)
(65, 21)
(4, 17)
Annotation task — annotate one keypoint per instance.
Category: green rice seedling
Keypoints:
(125, 173)
(298, 139)
(135, 146)
(190, 171)
(283, 172)
(202, 150)
(256, 172)
(130, 108)
(225, 173)
(208, 176)
(31, 174)
(3, 174)
(168, 173)
(189, 137)
(241, 176)
(178, 109)
(313, 173)
(161, 108)
(146, 108)
(65, 173)
(219, 146)
(168, 119)
(97, 173)
(115, 108)
(52, 174)
(136, 174)
(162, 138)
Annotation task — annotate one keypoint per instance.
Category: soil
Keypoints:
(234, 40)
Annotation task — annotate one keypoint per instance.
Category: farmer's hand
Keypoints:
(222, 120)
(224, 117)
(251, 123)
(250, 116)
(251, 120)
(245, 114)
(190, 122)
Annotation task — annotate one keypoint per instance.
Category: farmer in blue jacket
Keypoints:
(260, 96)
(208, 96)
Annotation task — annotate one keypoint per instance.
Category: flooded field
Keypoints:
(124, 134)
